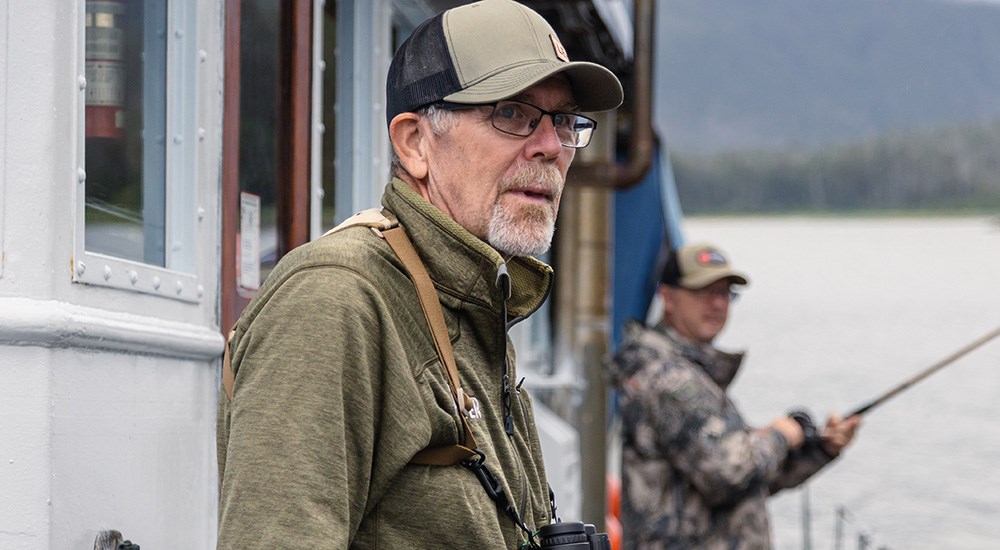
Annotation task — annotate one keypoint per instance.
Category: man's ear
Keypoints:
(407, 138)
(667, 294)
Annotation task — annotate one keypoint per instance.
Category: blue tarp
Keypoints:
(647, 223)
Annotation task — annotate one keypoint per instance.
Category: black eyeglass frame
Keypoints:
(449, 106)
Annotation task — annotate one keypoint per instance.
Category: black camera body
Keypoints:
(573, 535)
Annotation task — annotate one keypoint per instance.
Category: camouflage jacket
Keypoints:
(694, 475)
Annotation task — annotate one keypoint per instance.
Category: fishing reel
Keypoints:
(812, 436)
(805, 421)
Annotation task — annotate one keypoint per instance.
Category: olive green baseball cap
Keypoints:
(487, 51)
(697, 266)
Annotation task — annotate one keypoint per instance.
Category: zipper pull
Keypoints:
(503, 283)
(508, 418)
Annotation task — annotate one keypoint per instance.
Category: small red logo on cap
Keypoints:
(560, 50)
(709, 257)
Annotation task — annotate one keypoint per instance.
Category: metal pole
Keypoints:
(838, 532)
(591, 316)
(806, 521)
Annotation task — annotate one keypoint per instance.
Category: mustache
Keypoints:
(544, 178)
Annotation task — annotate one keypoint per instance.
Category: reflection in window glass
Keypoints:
(260, 94)
(125, 129)
(329, 114)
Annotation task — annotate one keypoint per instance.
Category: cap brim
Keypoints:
(595, 88)
(706, 277)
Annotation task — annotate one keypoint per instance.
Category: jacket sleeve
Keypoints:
(799, 466)
(298, 440)
(707, 441)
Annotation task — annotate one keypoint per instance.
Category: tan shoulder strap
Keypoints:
(384, 224)
(450, 454)
(227, 366)
(373, 218)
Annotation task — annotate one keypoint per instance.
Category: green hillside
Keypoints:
(953, 168)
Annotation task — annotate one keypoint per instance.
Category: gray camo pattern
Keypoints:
(694, 475)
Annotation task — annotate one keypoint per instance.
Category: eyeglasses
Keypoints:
(518, 118)
(727, 294)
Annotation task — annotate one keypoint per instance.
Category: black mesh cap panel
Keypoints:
(671, 274)
(421, 71)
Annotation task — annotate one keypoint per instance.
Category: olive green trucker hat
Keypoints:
(488, 51)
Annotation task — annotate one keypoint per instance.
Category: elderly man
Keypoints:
(357, 411)
(694, 475)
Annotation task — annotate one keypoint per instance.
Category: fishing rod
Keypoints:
(924, 374)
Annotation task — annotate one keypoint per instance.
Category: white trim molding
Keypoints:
(53, 324)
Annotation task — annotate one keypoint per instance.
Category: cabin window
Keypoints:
(137, 165)
(271, 143)
(328, 114)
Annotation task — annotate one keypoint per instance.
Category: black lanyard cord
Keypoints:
(503, 283)
(496, 493)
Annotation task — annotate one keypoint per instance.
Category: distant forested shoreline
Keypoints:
(955, 168)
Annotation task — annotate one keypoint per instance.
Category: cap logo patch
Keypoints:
(710, 257)
(558, 47)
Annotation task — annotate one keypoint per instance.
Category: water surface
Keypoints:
(840, 310)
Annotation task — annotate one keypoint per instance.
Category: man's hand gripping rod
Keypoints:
(925, 373)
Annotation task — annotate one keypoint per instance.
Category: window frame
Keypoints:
(178, 279)
(3, 135)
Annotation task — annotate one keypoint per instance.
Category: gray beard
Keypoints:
(525, 230)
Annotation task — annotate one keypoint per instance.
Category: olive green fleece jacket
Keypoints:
(338, 384)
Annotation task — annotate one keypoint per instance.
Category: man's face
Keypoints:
(698, 315)
(503, 189)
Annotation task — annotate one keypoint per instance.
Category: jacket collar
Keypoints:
(720, 366)
(460, 263)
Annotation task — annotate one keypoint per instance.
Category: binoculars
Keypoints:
(573, 535)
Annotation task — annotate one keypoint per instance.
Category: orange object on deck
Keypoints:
(614, 530)
(612, 521)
